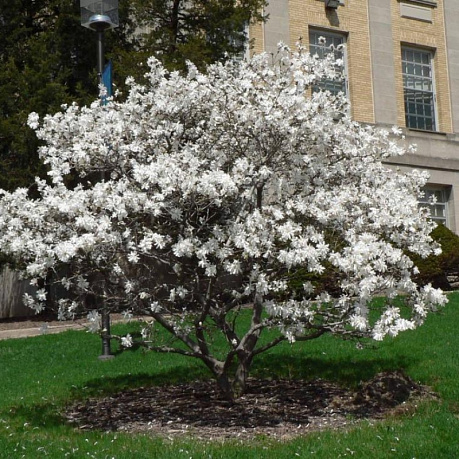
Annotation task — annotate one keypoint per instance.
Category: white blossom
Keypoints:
(33, 120)
(223, 190)
(94, 319)
(155, 307)
(126, 341)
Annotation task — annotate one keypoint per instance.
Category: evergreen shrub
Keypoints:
(435, 269)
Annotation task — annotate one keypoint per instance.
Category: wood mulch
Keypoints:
(279, 409)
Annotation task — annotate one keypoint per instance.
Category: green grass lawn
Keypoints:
(40, 375)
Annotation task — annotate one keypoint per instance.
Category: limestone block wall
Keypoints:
(289, 21)
(375, 31)
(451, 10)
(383, 65)
(428, 34)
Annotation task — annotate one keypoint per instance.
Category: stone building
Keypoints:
(401, 68)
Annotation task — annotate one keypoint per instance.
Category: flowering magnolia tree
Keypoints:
(217, 189)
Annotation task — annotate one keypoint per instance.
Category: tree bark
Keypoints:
(235, 386)
(174, 25)
(225, 386)
(240, 378)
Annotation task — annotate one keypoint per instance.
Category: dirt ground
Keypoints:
(277, 409)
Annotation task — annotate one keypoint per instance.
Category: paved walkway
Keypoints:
(42, 328)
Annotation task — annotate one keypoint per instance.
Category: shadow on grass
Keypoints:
(48, 415)
(347, 372)
(43, 415)
(110, 385)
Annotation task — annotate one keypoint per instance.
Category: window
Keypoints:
(241, 41)
(418, 88)
(323, 43)
(435, 199)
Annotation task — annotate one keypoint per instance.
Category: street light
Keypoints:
(100, 16)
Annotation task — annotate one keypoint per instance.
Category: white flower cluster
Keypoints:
(217, 186)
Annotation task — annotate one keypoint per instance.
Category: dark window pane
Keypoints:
(321, 47)
(418, 89)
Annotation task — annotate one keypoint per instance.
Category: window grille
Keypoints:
(322, 43)
(242, 41)
(436, 200)
(418, 88)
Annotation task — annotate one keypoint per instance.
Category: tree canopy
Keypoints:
(200, 31)
(48, 59)
(45, 60)
(217, 187)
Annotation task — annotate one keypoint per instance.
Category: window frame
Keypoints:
(425, 201)
(326, 33)
(416, 78)
(245, 54)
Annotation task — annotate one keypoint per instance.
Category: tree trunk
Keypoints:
(240, 377)
(233, 386)
(225, 386)
(221, 376)
(174, 25)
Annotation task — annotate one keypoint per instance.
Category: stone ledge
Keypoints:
(431, 3)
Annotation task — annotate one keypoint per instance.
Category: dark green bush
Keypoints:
(327, 282)
(435, 269)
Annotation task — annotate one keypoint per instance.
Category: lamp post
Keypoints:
(100, 16)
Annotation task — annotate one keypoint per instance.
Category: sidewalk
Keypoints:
(36, 331)
(33, 328)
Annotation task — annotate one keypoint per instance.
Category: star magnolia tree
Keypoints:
(217, 189)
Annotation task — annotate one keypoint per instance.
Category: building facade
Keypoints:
(401, 68)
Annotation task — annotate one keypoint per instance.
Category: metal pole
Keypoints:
(100, 53)
(105, 335)
(100, 16)
(106, 351)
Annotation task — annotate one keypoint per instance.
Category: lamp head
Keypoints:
(99, 22)
(99, 15)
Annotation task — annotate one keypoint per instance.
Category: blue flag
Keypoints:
(107, 80)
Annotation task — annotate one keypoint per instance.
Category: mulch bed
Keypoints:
(279, 409)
